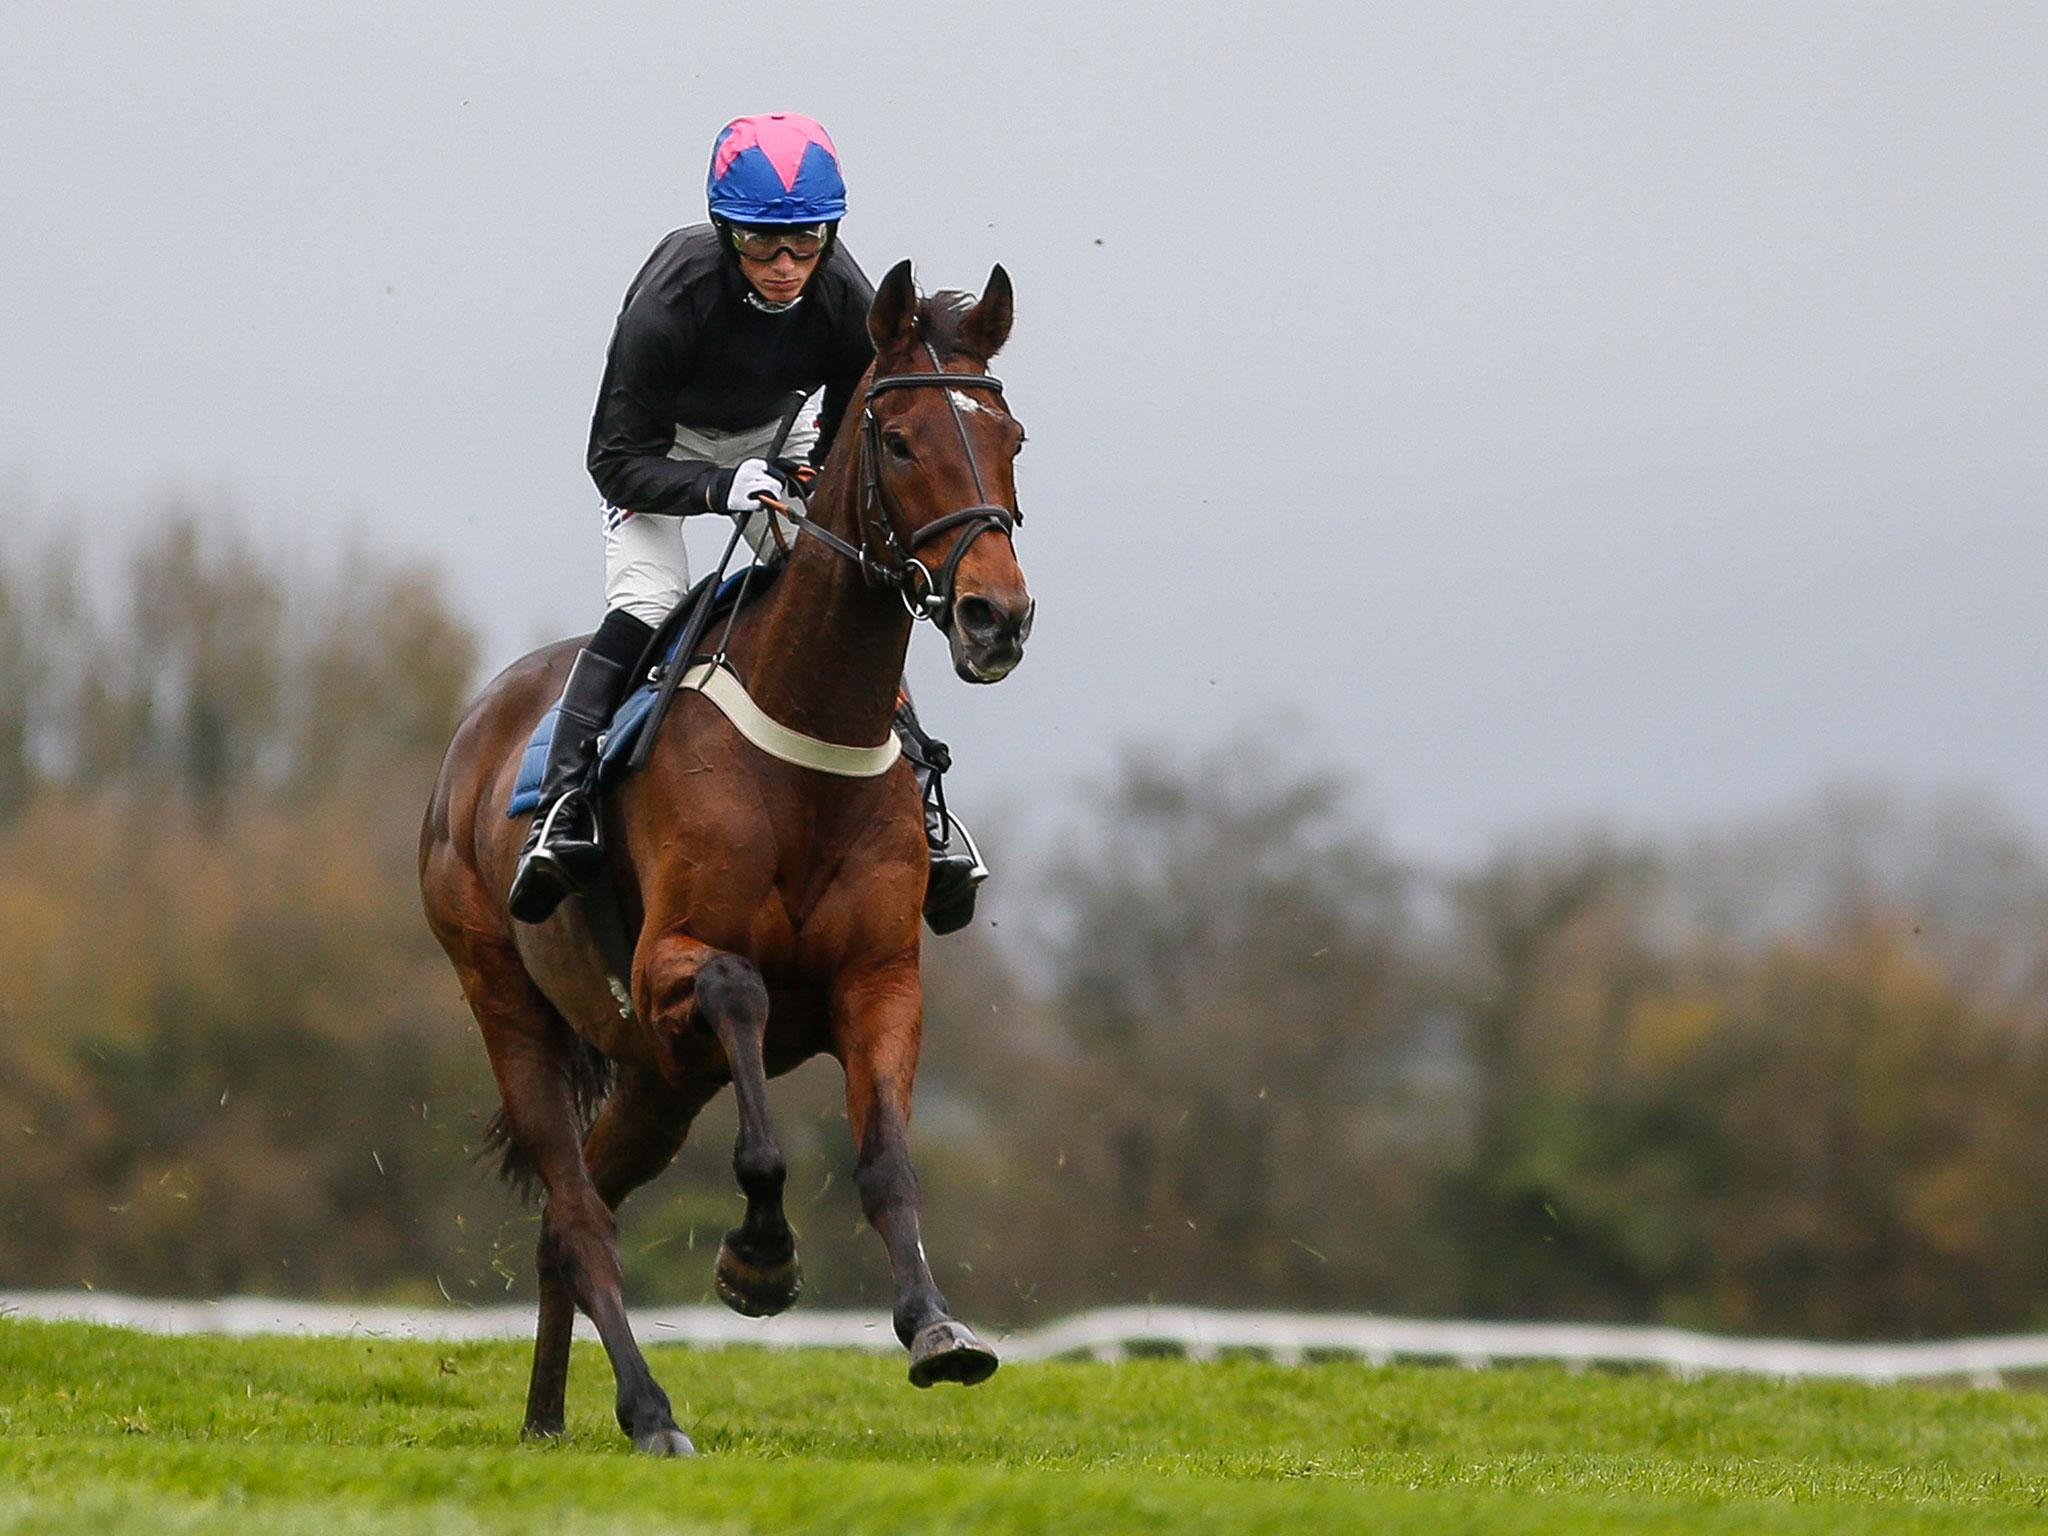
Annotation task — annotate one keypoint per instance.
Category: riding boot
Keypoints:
(562, 855)
(956, 867)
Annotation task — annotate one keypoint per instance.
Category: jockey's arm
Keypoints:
(633, 428)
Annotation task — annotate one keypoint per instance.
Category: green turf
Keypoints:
(104, 1431)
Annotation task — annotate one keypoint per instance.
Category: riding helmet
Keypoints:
(775, 168)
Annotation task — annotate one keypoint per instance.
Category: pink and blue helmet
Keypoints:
(775, 168)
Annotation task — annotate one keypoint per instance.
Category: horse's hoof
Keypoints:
(753, 1290)
(949, 1351)
(665, 1442)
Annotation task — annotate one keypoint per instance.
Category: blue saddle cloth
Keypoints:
(633, 710)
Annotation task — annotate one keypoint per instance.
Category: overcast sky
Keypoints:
(1597, 410)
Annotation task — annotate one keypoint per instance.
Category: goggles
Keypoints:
(766, 242)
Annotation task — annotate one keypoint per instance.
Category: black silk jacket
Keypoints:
(690, 350)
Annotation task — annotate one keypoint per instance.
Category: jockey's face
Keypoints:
(780, 278)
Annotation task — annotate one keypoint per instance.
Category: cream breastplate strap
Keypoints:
(718, 685)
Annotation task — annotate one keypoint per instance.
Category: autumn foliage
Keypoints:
(1792, 1076)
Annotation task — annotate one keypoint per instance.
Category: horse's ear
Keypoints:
(892, 318)
(987, 325)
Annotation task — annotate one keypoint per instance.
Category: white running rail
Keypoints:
(1110, 1333)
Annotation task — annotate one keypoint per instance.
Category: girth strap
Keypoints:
(718, 684)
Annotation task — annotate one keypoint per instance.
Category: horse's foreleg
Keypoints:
(579, 1253)
(757, 1273)
(877, 1025)
(636, 1136)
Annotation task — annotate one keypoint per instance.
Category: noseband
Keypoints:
(925, 595)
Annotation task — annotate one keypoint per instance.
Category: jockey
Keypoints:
(724, 325)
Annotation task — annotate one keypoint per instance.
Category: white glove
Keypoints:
(751, 477)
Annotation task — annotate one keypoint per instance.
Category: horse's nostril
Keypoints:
(978, 616)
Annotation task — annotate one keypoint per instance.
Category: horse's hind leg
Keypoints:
(530, 1052)
(547, 1388)
(636, 1136)
(757, 1272)
(877, 1025)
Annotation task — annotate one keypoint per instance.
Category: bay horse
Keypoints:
(772, 910)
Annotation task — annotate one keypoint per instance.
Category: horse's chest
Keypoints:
(828, 870)
(804, 886)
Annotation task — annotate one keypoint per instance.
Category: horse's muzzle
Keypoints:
(988, 636)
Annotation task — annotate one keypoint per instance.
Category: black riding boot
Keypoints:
(561, 853)
(956, 868)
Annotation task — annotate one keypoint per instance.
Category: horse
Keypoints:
(772, 910)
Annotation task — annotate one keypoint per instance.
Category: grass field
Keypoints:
(106, 1431)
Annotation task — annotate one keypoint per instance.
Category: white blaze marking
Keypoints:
(967, 402)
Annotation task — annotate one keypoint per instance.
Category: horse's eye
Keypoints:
(898, 445)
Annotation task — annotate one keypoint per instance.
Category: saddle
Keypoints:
(615, 746)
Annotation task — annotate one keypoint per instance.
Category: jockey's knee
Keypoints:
(649, 610)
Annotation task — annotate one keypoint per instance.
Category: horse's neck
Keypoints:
(827, 656)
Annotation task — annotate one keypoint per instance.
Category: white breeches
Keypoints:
(646, 567)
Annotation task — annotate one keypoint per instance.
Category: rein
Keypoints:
(925, 595)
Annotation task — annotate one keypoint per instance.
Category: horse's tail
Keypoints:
(590, 1083)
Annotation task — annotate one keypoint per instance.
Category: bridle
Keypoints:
(925, 595)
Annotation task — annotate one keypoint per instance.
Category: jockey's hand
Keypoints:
(737, 489)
